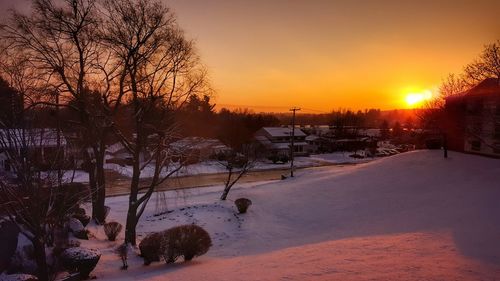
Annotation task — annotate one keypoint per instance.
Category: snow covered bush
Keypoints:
(242, 204)
(112, 229)
(83, 234)
(188, 241)
(80, 260)
(75, 225)
(151, 247)
(82, 216)
(8, 243)
(18, 277)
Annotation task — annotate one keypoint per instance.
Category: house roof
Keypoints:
(486, 87)
(283, 132)
(489, 86)
(38, 137)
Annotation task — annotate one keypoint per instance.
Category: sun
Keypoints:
(415, 99)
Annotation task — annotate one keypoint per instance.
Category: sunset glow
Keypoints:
(417, 99)
(330, 54)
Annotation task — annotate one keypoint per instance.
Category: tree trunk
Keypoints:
(228, 184)
(101, 188)
(225, 193)
(132, 204)
(130, 232)
(40, 259)
(93, 189)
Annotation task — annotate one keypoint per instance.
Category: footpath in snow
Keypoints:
(413, 216)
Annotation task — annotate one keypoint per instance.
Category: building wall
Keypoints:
(483, 125)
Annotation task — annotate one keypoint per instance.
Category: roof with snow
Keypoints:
(486, 87)
(489, 86)
(282, 131)
(39, 137)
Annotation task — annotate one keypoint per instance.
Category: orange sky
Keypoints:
(329, 54)
(325, 54)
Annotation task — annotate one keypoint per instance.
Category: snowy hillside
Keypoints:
(413, 216)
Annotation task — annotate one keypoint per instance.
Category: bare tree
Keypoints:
(58, 38)
(237, 165)
(487, 65)
(37, 201)
(158, 71)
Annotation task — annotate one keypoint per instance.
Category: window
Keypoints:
(475, 145)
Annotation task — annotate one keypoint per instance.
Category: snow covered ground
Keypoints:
(413, 216)
(213, 167)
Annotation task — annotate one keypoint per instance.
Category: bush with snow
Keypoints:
(242, 204)
(75, 225)
(188, 241)
(81, 215)
(151, 247)
(84, 234)
(18, 277)
(112, 229)
(8, 243)
(80, 260)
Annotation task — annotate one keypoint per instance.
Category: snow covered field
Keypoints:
(413, 216)
(214, 167)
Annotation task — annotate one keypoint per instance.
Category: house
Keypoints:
(472, 122)
(196, 149)
(277, 140)
(44, 146)
(199, 149)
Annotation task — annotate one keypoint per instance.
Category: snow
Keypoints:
(17, 277)
(214, 167)
(75, 225)
(78, 253)
(283, 131)
(412, 216)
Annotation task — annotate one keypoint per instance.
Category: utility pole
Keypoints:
(292, 147)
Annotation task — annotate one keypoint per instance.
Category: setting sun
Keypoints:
(414, 99)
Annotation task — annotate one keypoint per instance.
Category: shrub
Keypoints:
(18, 277)
(84, 219)
(188, 241)
(79, 212)
(83, 234)
(242, 204)
(284, 158)
(151, 247)
(112, 229)
(9, 233)
(75, 225)
(122, 252)
(80, 260)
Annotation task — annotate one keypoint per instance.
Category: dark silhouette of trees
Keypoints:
(157, 72)
(10, 105)
(59, 42)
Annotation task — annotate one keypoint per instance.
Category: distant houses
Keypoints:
(44, 145)
(473, 119)
(190, 149)
(277, 141)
